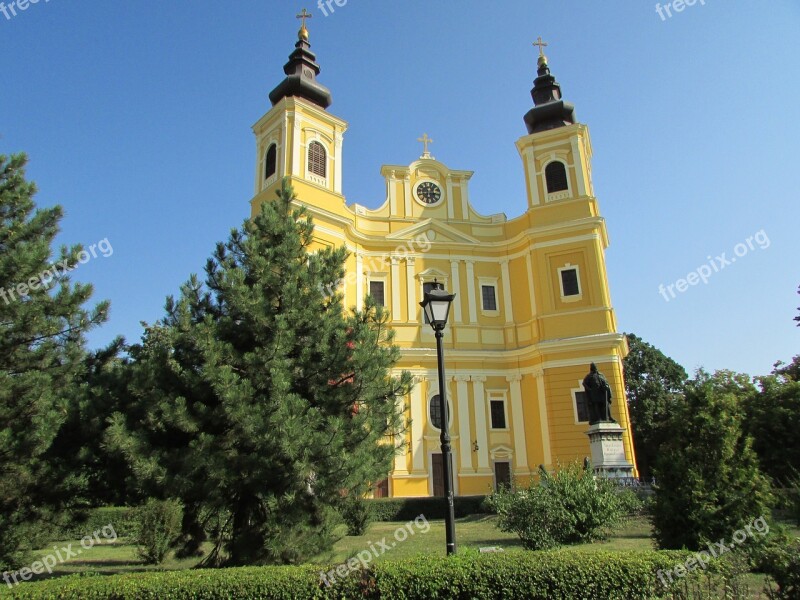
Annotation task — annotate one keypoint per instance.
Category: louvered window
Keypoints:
(317, 159)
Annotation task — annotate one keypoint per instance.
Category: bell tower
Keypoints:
(557, 151)
(298, 138)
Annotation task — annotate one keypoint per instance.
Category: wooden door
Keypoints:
(502, 474)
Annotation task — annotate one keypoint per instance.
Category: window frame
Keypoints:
(437, 394)
(572, 297)
(381, 280)
(272, 147)
(313, 161)
(560, 193)
(493, 283)
(504, 404)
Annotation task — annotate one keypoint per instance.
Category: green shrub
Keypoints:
(158, 526)
(356, 515)
(782, 564)
(530, 575)
(708, 481)
(121, 518)
(793, 497)
(569, 506)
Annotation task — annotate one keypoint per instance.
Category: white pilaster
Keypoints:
(548, 458)
(481, 431)
(529, 277)
(507, 292)
(283, 167)
(577, 165)
(533, 179)
(359, 281)
(337, 158)
(518, 419)
(260, 156)
(395, 288)
(455, 289)
(473, 313)
(411, 288)
(451, 211)
(400, 464)
(407, 191)
(464, 200)
(417, 429)
(464, 437)
(296, 147)
(392, 194)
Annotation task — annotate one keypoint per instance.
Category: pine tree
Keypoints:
(260, 403)
(708, 480)
(42, 348)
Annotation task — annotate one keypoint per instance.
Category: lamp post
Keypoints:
(436, 305)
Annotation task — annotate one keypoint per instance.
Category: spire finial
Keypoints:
(425, 141)
(542, 45)
(303, 33)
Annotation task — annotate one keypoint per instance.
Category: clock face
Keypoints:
(428, 192)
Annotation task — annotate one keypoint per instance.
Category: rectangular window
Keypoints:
(489, 296)
(582, 407)
(498, 409)
(377, 291)
(569, 282)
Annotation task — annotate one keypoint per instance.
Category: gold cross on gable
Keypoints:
(542, 45)
(306, 15)
(425, 141)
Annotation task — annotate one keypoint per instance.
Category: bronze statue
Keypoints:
(598, 395)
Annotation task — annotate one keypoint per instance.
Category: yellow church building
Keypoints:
(532, 310)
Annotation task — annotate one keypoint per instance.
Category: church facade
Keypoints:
(532, 309)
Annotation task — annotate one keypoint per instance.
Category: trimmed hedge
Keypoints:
(406, 509)
(531, 575)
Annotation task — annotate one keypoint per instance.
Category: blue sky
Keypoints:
(137, 117)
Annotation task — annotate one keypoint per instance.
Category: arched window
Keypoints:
(436, 411)
(317, 159)
(556, 176)
(271, 162)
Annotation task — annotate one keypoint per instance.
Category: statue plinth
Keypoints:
(608, 451)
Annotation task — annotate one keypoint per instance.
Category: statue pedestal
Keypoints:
(608, 452)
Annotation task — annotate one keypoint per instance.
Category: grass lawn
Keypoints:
(471, 532)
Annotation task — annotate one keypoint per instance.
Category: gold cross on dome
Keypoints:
(306, 15)
(542, 45)
(425, 141)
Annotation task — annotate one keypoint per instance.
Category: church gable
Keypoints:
(434, 231)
